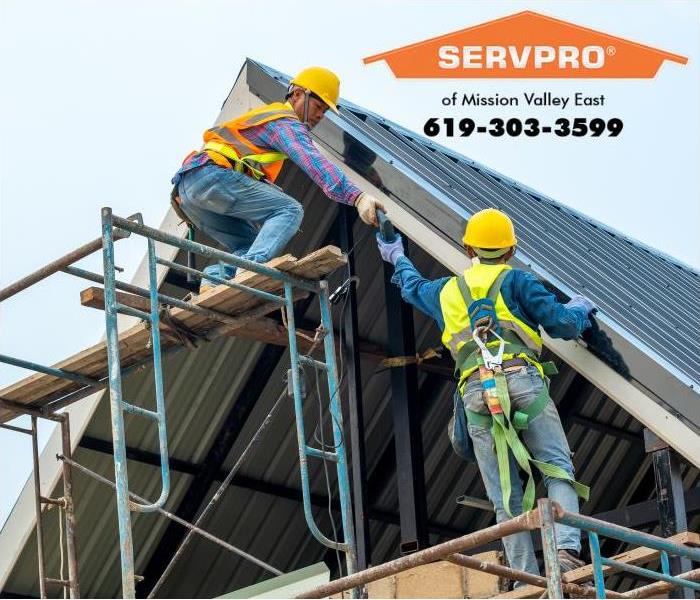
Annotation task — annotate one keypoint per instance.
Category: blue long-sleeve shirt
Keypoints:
(522, 292)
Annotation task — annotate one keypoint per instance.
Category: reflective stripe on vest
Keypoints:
(235, 146)
(479, 278)
(253, 162)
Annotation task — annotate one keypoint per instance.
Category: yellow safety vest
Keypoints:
(226, 144)
(521, 340)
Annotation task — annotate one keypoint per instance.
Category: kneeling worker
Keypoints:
(512, 421)
(227, 190)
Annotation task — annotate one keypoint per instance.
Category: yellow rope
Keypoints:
(418, 358)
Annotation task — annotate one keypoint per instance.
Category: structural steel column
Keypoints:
(410, 476)
(670, 502)
(353, 377)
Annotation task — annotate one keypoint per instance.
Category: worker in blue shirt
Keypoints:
(494, 306)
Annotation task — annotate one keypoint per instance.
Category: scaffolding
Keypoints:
(543, 518)
(268, 288)
(254, 302)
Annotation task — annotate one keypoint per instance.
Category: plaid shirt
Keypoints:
(293, 138)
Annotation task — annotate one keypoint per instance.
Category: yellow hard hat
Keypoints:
(322, 82)
(490, 229)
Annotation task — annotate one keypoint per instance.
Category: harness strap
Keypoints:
(244, 162)
(467, 355)
(523, 417)
(464, 289)
(468, 358)
(504, 431)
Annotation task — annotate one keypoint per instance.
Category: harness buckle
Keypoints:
(491, 361)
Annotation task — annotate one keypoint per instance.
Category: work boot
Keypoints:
(569, 560)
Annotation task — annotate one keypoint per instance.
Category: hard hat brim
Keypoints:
(330, 104)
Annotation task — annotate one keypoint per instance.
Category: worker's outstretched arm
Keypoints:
(422, 293)
(567, 321)
(292, 137)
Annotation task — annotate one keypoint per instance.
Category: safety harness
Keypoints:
(242, 164)
(490, 333)
(245, 164)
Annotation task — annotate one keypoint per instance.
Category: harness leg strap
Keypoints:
(505, 436)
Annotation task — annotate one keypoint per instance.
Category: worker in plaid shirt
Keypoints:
(227, 189)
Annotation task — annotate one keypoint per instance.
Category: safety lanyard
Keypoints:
(505, 436)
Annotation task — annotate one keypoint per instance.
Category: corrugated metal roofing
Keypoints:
(650, 297)
(203, 386)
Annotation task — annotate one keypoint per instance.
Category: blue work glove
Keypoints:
(579, 301)
(390, 251)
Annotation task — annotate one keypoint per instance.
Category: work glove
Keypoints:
(579, 301)
(367, 206)
(390, 251)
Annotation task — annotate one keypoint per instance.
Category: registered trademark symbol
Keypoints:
(610, 50)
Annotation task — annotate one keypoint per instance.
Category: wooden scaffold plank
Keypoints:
(636, 556)
(39, 388)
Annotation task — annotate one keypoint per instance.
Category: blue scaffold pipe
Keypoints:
(312, 362)
(132, 312)
(301, 435)
(650, 574)
(597, 561)
(338, 433)
(210, 252)
(162, 298)
(665, 563)
(25, 364)
(126, 544)
(139, 411)
(624, 534)
(160, 394)
(227, 282)
(323, 454)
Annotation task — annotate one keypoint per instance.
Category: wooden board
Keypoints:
(40, 388)
(636, 556)
(264, 329)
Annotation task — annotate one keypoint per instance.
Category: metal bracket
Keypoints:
(491, 361)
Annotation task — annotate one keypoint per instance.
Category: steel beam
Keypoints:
(641, 515)
(431, 391)
(617, 432)
(410, 476)
(670, 502)
(353, 376)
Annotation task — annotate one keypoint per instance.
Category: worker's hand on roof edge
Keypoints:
(367, 206)
(390, 251)
(579, 301)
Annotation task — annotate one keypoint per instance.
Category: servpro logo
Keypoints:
(537, 57)
(526, 45)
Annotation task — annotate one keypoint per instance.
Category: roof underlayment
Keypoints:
(430, 191)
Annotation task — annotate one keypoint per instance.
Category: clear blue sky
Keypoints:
(102, 100)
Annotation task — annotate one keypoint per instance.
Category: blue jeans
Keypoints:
(252, 219)
(545, 439)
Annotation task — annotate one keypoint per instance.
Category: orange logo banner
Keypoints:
(526, 45)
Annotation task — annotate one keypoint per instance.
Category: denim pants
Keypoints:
(252, 219)
(546, 441)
